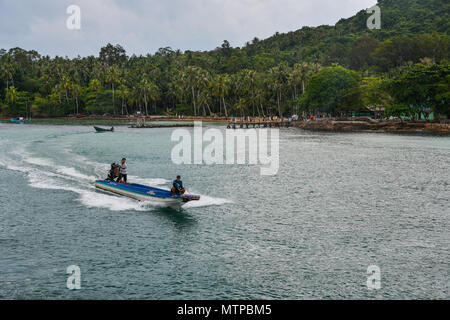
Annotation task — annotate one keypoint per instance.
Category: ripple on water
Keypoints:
(339, 203)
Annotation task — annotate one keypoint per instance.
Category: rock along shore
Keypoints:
(373, 125)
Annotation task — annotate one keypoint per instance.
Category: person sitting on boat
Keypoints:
(177, 187)
(114, 172)
(123, 171)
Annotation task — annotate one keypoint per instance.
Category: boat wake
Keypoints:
(206, 201)
(43, 173)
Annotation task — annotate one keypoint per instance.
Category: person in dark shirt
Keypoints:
(177, 186)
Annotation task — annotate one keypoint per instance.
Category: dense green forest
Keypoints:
(402, 68)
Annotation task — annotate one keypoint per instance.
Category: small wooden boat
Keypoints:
(98, 129)
(146, 193)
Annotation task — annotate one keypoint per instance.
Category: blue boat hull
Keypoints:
(145, 193)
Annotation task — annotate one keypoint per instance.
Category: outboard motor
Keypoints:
(113, 172)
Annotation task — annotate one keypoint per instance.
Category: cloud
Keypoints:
(144, 26)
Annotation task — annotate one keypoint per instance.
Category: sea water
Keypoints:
(338, 204)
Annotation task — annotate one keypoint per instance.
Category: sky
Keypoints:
(143, 26)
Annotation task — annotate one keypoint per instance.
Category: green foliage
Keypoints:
(402, 50)
(41, 106)
(11, 95)
(265, 77)
(98, 102)
(374, 94)
(334, 44)
(361, 51)
(332, 90)
(112, 55)
(424, 87)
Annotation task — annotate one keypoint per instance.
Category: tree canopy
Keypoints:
(333, 89)
(265, 77)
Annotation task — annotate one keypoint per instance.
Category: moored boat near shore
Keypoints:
(18, 120)
(98, 129)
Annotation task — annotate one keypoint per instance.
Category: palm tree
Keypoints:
(295, 79)
(95, 86)
(190, 76)
(240, 90)
(259, 98)
(112, 77)
(316, 67)
(176, 86)
(124, 93)
(203, 84)
(250, 79)
(221, 86)
(8, 71)
(304, 71)
(203, 98)
(66, 85)
(149, 90)
(11, 95)
(144, 88)
(173, 92)
(54, 98)
(154, 94)
(76, 90)
(278, 79)
(8, 68)
(299, 76)
(241, 106)
(133, 98)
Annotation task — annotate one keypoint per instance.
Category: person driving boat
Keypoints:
(177, 186)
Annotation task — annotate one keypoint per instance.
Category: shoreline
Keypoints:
(326, 125)
(388, 126)
(115, 121)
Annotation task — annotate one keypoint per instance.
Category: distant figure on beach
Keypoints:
(177, 186)
(123, 171)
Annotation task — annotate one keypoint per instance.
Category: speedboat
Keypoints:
(145, 193)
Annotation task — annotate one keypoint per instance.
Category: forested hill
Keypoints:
(332, 69)
(331, 44)
(399, 18)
